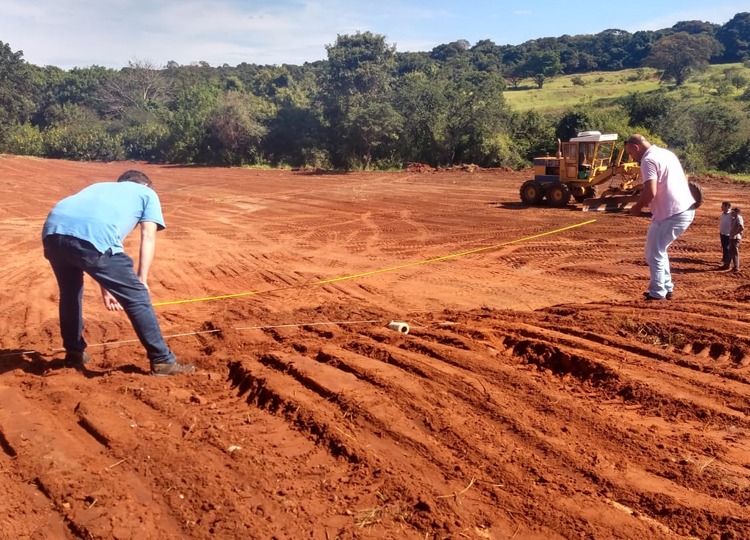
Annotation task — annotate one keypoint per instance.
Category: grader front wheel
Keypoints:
(558, 195)
(589, 192)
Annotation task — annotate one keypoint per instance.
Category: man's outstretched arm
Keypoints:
(148, 248)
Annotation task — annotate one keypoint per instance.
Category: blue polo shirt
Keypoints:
(105, 214)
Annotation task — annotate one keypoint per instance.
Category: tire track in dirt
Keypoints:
(113, 459)
(421, 365)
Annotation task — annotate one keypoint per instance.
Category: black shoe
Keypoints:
(647, 296)
(669, 296)
(724, 267)
(167, 369)
(76, 359)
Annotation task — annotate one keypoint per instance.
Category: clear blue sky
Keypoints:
(82, 33)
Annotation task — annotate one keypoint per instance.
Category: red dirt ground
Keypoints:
(535, 396)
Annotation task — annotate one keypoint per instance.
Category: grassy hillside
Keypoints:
(603, 88)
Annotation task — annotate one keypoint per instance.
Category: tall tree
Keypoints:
(420, 100)
(540, 65)
(449, 50)
(486, 56)
(735, 37)
(235, 129)
(188, 114)
(78, 86)
(16, 90)
(717, 128)
(681, 54)
(696, 27)
(359, 78)
(138, 87)
(648, 109)
(474, 115)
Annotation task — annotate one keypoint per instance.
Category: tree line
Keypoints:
(370, 106)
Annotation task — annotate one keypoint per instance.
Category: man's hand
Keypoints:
(636, 209)
(110, 302)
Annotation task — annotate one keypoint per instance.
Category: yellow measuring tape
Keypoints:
(379, 271)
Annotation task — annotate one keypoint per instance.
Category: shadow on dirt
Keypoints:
(12, 359)
(705, 266)
(321, 172)
(35, 363)
(306, 172)
(520, 206)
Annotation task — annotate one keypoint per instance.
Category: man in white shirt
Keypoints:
(667, 194)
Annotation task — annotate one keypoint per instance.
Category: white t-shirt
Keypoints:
(672, 190)
(725, 223)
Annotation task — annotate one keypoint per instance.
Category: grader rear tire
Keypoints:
(531, 193)
(558, 195)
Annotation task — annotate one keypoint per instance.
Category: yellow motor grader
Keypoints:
(585, 168)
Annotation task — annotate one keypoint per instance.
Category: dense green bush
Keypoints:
(83, 143)
(23, 140)
(143, 141)
(737, 161)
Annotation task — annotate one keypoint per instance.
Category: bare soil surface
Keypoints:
(536, 395)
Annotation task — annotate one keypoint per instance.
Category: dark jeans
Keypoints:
(725, 256)
(70, 257)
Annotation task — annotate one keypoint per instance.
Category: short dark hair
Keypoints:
(736, 209)
(135, 176)
(726, 203)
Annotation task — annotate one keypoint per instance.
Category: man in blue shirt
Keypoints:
(84, 233)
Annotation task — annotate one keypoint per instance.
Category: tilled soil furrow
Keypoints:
(206, 498)
(324, 408)
(76, 474)
(640, 453)
(496, 458)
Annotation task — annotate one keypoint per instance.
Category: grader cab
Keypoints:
(580, 170)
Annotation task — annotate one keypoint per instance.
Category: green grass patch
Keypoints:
(740, 177)
(604, 88)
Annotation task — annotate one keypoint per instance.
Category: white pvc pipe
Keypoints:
(399, 326)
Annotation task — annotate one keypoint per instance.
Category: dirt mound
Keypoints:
(535, 394)
(419, 168)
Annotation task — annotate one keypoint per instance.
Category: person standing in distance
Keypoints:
(735, 235)
(667, 194)
(725, 226)
(84, 233)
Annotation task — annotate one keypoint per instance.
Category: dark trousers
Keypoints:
(725, 258)
(734, 253)
(70, 257)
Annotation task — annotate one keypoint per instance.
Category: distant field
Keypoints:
(603, 88)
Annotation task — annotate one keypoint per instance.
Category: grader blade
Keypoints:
(615, 203)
